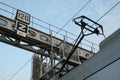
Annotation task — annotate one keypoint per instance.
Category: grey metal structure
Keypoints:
(51, 52)
(41, 43)
(102, 66)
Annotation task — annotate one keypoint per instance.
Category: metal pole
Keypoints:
(41, 65)
(72, 51)
(52, 62)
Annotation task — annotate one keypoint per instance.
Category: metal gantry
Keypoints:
(51, 51)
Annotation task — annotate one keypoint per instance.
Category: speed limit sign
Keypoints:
(23, 16)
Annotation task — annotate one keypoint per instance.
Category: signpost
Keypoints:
(22, 22)
(22, 29)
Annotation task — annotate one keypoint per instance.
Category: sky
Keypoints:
(58, 13)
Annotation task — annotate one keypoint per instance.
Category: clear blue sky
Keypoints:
(56, 12)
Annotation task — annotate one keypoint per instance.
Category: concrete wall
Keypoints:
(102, 66)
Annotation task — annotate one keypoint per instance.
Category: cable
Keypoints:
(83, 36)
(108, 11)
(20, 69)
(73, 17)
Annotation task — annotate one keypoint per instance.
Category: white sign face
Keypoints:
(20, 33)
(22, 16)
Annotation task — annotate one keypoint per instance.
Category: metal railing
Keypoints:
(9, 11)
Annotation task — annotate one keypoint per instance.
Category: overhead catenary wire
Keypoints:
(73, 17)
(20, 69)
(108, 11)
(92, 25)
